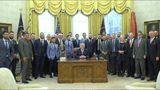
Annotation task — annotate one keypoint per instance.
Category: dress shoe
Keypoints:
(128, 76)
(132, 76)
(136, 77)
(17, 81)
(35, 77)
(113, 73)
(149, 79)
(142, 78)
(25, 82)
(51, 76)
(42, 77)
(29, 79)
(55, 75)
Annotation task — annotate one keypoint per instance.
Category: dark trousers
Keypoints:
(121, 64)
(46, 66)
(13, 66)
(5, 62)
(26, 68)
(54, 67)
(109, 65)
(153, 67)
(39, 66)
(98, 52)
(113, 63)
(33, 67)
(130, 66)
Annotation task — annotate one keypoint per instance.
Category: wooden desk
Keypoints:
(82, 71)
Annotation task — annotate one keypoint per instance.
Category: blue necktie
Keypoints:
(113, 45)
(6, 44)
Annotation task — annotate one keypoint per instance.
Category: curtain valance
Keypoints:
(72, 6)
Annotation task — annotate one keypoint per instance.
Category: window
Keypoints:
(80, 24)
(113, 22)
(46, 23)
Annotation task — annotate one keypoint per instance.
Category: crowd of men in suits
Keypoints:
(126, 55)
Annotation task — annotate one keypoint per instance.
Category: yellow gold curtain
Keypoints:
(126, 15)
(86, 6)
(70, 7)
(54, 7)
(104, 6)
(34, 28)
(39, 5)
(95, 20)
(65, 23)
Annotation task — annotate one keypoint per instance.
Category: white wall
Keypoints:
(9, 12)
(146, 10)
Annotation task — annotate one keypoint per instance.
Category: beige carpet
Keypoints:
(114, 82)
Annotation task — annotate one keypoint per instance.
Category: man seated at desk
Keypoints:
(82, 52)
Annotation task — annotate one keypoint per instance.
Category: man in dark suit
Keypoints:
(40, 53)
(113, 45)
(130, 60)
(89, 44)
(26, 54)
(156, 34)
(76, 41)
(104, 48)
(153, 57)
(15, 59)
(6, 50)
(33, 37)
(140, 53)
(84, 39)
(98, 43)
(76, 44)
(46, 62)
(82, 52)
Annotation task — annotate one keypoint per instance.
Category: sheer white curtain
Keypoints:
(113, 22)
(80, 24)
(46, 23)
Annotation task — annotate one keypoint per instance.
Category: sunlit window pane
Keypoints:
(46, 23)
(113, 22)
(80, 24)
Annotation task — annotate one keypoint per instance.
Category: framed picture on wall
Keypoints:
(5, 27)
(151, 25)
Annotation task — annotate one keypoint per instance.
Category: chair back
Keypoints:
(7, 80)
(158, 81)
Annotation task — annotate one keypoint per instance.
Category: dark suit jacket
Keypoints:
(4, 52)
(75, 44)
(130, 49)
(89, 46)
(39, 49)
(97, 44)
(15, 46)
(152, 49)
(79, 53)
(111, 46)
